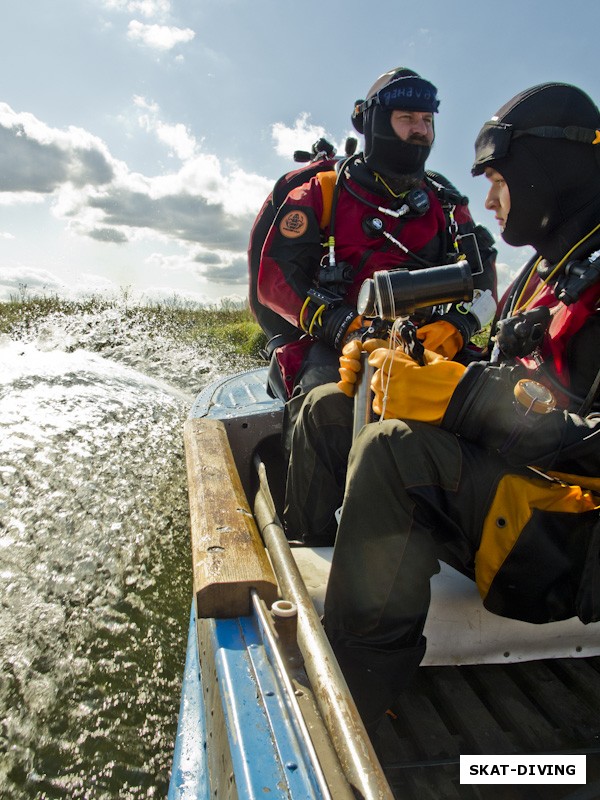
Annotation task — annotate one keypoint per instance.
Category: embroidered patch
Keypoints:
(294, 224)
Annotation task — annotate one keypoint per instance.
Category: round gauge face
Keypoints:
(365, 303)
(418, 200)
(534, 395)
(538, 391)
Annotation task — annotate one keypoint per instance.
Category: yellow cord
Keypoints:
(549, 277)
(394, 341)
(394, 194)
(301, 317)
(517, 307)
(316, 318)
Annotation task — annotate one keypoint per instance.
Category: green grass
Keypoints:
(229, 323)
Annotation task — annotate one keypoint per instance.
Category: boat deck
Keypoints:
(545, 707)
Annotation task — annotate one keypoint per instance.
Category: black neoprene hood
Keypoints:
(384, 151)
(545, 143)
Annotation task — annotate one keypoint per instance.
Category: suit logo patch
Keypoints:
(294, 224)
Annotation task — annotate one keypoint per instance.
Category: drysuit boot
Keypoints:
(376, 677)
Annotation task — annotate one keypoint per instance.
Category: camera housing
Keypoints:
(396, 293)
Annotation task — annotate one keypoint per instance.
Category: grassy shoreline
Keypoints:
(230, 324)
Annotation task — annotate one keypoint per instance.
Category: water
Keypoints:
(95, 582)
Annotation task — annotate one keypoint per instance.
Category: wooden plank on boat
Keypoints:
(228, 557)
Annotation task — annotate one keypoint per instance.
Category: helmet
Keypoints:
(384, 151)
(541, 143)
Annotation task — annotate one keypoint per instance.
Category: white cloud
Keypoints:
(506, 274)
(300, 137)
(243, 193)
(160, 37)
(36, 158)
(214, 266)
(205, 204)
(25, 281)
(170, 263)
(147, 105)
(179, 140)
(20, 198)
(34, 276)
(15, 281)
(147, 8)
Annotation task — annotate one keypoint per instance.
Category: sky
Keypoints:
(140, 137)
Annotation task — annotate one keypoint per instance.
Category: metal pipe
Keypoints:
(350, 739)
(291, 697)
(363, 396)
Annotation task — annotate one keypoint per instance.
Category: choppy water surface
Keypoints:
(94, 553)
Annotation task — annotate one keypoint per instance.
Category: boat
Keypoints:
(265, 710)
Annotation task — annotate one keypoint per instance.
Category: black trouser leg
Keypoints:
(411, 497)
(317, 469)
(376, 677)
(320, 367)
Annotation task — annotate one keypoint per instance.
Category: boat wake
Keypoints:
(94, 553)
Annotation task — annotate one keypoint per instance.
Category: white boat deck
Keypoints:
(459, 630)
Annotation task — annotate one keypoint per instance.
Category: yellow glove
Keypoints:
(404, 390)
(350, 362)
(441, 337)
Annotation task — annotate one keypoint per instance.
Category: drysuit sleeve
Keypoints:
(483, 410)
(292, 252)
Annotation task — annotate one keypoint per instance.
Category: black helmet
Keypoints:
(545, 142)
(384, 151)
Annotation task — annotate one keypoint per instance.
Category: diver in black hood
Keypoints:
(393, 147)
(540, 142)
(544, 144)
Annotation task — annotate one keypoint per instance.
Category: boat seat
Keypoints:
(459, 630)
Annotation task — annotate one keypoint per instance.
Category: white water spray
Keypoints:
(94, 556)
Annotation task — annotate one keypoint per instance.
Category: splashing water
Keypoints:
(95, 580)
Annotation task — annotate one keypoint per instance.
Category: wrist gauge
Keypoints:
(534, 396)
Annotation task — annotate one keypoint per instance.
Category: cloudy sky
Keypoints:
(140, 137)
